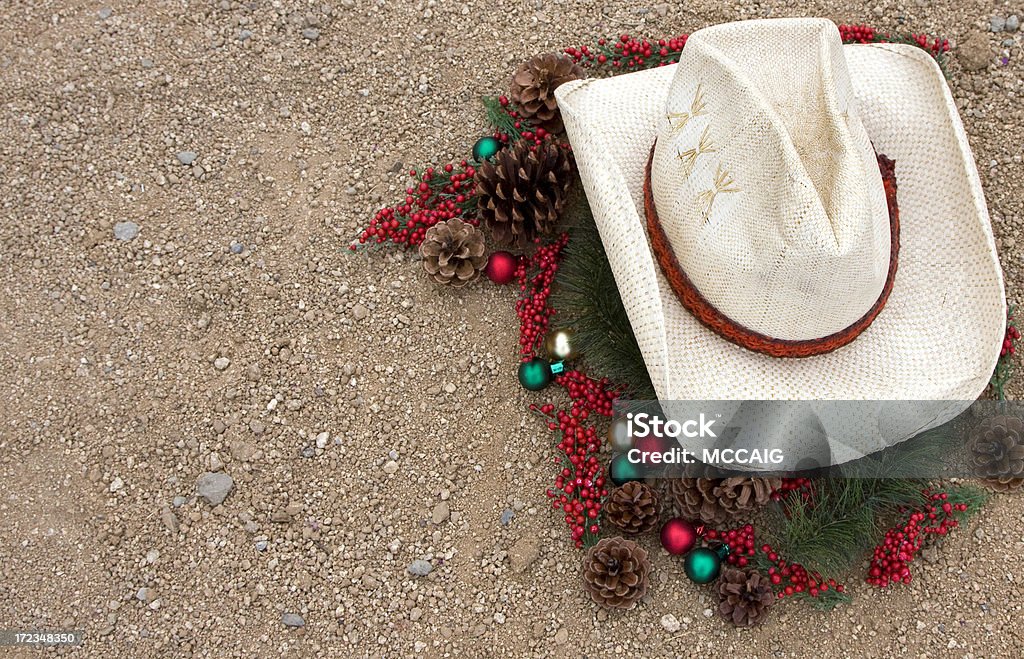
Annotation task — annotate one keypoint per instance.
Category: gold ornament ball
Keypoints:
(559, 345)
(618, 436)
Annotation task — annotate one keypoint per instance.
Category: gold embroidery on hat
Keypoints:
(683, 118)
(689, 157)
(724, 184)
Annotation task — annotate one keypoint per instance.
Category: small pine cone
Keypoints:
(453, 252)
(615, 573)
(632, 508)
(716, 500)
(743, 597)
(997, 448)
(521, 192)
(533, 88)
(1004, 484)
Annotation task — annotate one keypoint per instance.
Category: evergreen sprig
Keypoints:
(500, 117)
(588, 302)
(1004, 366)
(833, 529)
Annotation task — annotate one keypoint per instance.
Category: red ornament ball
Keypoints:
(501, 267)
(678, 536)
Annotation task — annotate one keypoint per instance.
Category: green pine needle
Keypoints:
(588, 302)
(842, 521)
(825, 601)
(974, 497)
(498, 116)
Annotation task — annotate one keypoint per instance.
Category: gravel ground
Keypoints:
(179, 182)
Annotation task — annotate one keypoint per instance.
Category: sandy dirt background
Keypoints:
(367, 418)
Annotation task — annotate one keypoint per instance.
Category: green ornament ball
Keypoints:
(485, 148)
(535, 374)
(621, 470)
(702, 565)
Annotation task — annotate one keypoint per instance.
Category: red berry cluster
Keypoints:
(934, 46)
(588, 395)
(1010, 340)
(580, 485)
(537, 136)
(803, 485)
(438, 195)
(740, 542)
(865, 34)
(532, 305)
(629, 52)
(857, 34)
(891, 560)
(793, 579)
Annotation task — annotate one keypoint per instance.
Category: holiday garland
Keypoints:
(816, 528)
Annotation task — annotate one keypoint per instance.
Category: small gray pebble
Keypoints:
(308, 452)
(214, 487)
(996, 24)
(261, 545)
(506, 517)
(126, 230)
(244, 35)
(420, 567)
(105, 13)
(1012, 23)
(311, 33)
(186, 157)
(237, 248)
(179, 501)
(293, 620)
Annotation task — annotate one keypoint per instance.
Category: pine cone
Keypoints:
(453, 252)
(743, 597)
(521, 192)
(997, 446)
(615, 573)
(533, 88)
(632, 508)
(715, 500)
(1004, 484)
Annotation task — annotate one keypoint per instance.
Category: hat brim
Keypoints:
(940, 333)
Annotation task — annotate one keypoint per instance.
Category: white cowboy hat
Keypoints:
(766, 207)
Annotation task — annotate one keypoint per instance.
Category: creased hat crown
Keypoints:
(766, 183)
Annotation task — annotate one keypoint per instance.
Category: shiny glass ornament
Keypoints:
(485, 148)
(501, 267)
(621, 470)
(702, 565)
(679, 536)
(618, 436)
(535, 374)
(559, 344)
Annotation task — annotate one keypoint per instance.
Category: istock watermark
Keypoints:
(646, 425)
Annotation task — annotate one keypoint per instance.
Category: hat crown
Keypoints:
(765, 181)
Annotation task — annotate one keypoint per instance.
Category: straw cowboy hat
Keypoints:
(761, 247)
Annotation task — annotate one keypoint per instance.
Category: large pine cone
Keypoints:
(615, 573)
(453, 252)
(743, 597)
(533, 88)
(997, 448)
(632, 508)
(716, 500)
(521, 192)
